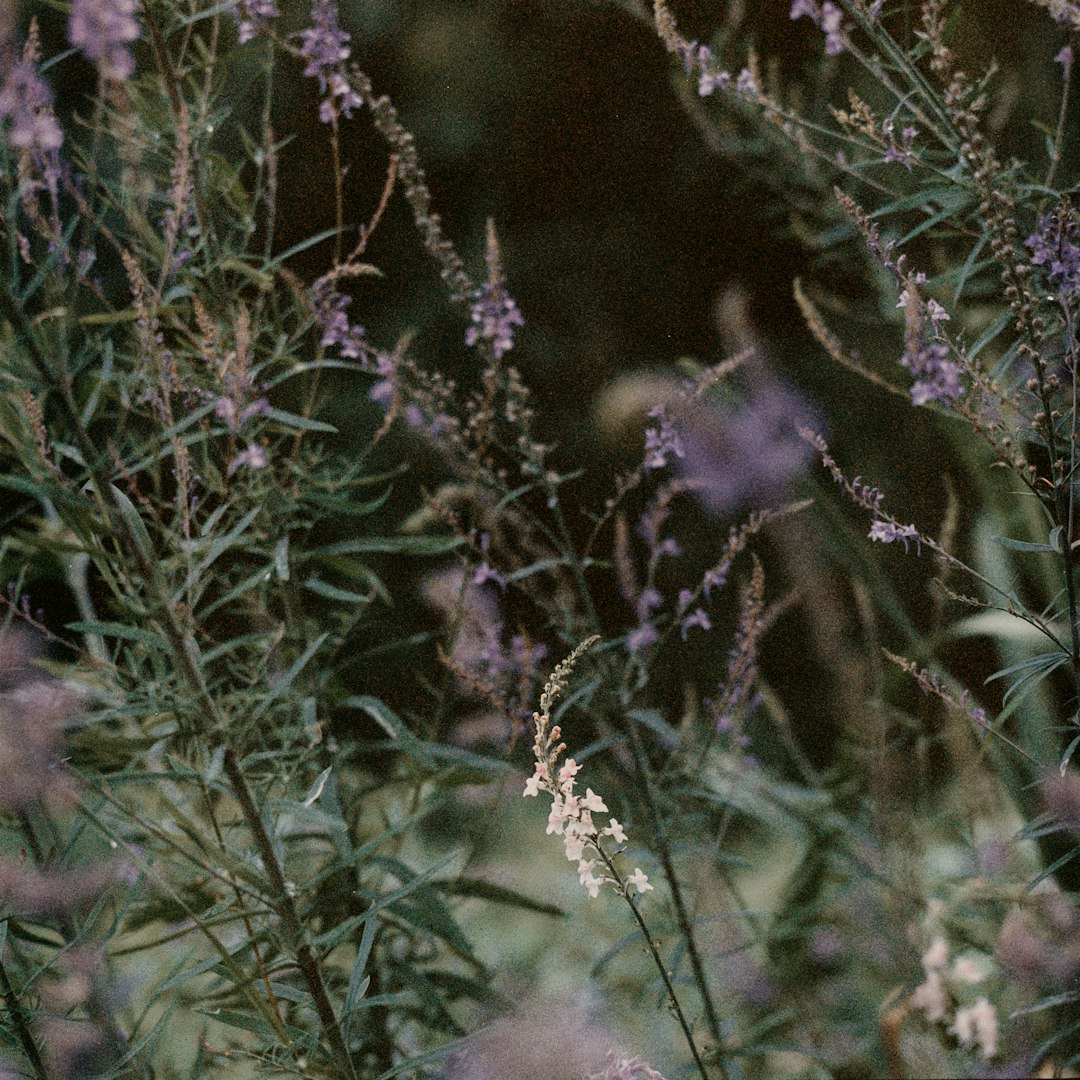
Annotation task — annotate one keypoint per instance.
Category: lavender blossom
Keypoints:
(831, 25)
(494, 316)
(662, 441)
(102, 30)
(254, 457)
(26, 101)
(827, 18)
(254, 17)
(326, 48)
(899, 150)
(1055, 246)
(936, 377)
(641, 639)
(331, 315)
(888, 532)
(698, 617)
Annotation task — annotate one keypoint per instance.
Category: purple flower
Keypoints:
(326, 48)
(936, 377)
(102, 29)
(661, 441)
(484, 572)
(698, 617)
(27, 102)
(331, 315)
(888, 532)
(1064, 57)
(645, 636)
(799, 8)
(649, 600)
(828, 18)
(733, 457)
(831, 17)
(254, 457)
(494, 316)
(1055, 246)
(899, 150)
(254, 17)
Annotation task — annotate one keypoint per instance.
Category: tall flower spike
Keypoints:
(494, 312)
(571, 815)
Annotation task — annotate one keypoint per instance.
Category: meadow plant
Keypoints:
(282, 592)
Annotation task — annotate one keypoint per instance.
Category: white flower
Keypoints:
(592, 802)
(539, 780)
(639, 880)
(615, 831)
(930, 997)
(977, 1024)
(937, 956)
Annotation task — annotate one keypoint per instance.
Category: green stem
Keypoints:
(659, 962)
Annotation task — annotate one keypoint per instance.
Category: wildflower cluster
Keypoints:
(571, 815)
(494, 313)
(975, 1025)
(1055, 246)
(103, 30)
(827, 17)
(885, 529)
(326, 47)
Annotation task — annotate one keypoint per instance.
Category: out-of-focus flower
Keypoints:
(735, 456)
(102, 31)
(253, 16)
(888, 532)
(26, 102)
(977, 1025)
(252, 457)
(494, 316)
(1055, 246)
(326, 47)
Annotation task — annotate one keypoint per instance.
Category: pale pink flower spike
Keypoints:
(571, 815)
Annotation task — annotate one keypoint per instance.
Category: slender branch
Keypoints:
(21, 1022)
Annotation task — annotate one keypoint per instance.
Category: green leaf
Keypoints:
(302, 423)
(117, 630)
(499, 894)
(332, 592)
(390, 545)
(1023, 545)
(135, 524)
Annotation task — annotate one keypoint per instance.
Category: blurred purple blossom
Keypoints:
(645, 636)
(734, 456)
(1055, 246)
(26, 101)
(494, 316)
(937, 378)
(254, 17)
(484, 572)
(698, 617)
(331, 316)
(102, 30)
(326, 47)
(899, 150)
(888, 532)
(1064, 57)
(662, 441)
(254, 457)
(827, 17)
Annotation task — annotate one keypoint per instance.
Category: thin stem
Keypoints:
(659, 962)
(21, 1022)
(681, 913)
